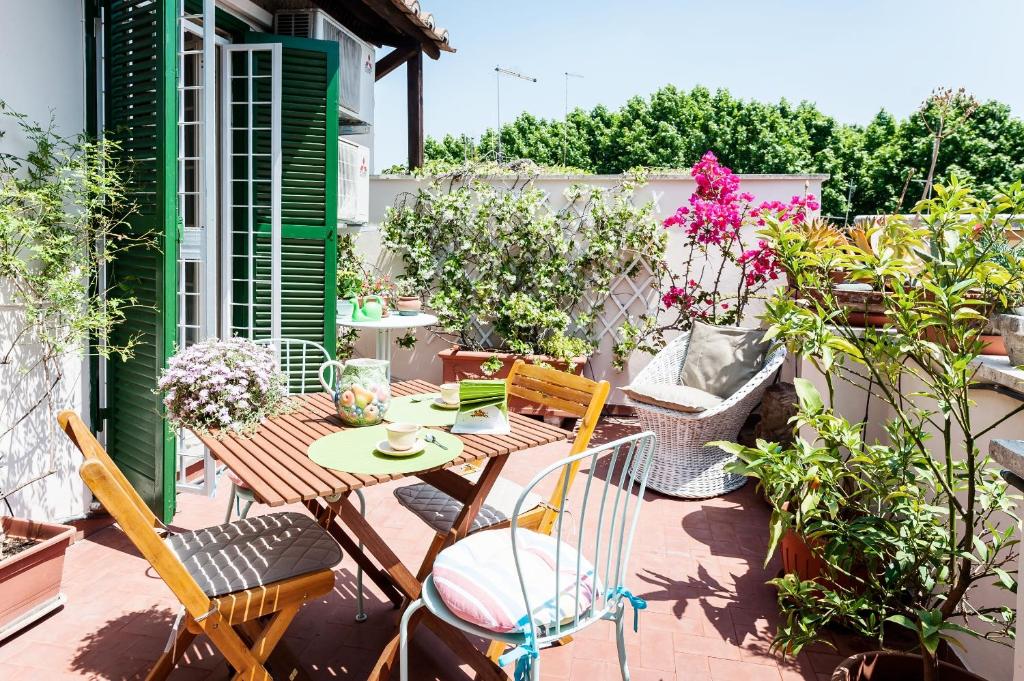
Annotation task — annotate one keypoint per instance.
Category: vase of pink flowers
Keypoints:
(223, 386)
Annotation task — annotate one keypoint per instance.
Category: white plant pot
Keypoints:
(344, 309)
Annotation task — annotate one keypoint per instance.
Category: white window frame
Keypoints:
(226, 273)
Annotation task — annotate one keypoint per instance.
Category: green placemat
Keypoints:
(354, 451)
(424, 413)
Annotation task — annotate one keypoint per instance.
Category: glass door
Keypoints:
(251, 190)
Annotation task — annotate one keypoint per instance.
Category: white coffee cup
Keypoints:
(450, 393)
(402, 436)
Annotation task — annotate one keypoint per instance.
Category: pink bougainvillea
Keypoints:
(713, 223)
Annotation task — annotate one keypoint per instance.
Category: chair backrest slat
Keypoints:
(91, 449)
(551, 387)
(300, 361)
(617, 500)
(568, 392)
(137, 521)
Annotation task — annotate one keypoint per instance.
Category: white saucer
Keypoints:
(384, 447)
(441, 404)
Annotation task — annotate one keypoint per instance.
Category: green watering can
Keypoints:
(368, 309)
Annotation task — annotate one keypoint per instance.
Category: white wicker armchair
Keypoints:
(683, 465)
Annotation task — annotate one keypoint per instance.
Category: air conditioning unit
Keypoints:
(358, 59)
(353, 182)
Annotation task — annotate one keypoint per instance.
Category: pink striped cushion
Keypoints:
(477, 579)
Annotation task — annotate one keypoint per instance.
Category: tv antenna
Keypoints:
(500, 71)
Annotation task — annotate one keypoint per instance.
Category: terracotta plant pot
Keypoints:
(30, 580)
(408, 305)
(864, 308)
(457, 364)
(797, 558)
(891, 665)
(994, 344)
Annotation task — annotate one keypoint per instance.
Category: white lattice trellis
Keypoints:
(631, 294)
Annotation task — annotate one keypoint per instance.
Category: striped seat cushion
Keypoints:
(477, 579)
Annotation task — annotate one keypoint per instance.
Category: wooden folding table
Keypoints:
(273, 462)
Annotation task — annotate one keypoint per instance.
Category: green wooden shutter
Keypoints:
(309, 189)
(141, 116)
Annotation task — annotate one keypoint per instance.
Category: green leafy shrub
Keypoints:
(909, 527)
(61, 206)
(505, 270)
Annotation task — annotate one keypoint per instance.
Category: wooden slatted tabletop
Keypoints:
(275, 465)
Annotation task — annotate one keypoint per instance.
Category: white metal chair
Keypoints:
(300, 360)
(596, 560)
(683, 465)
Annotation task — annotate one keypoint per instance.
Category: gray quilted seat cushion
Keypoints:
(440, 511)
(255, 551)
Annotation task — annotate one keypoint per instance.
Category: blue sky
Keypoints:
(851, 57)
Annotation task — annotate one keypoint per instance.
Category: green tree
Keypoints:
(876, 168)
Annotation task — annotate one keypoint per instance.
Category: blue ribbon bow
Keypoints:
(637, 603)
(524, 655)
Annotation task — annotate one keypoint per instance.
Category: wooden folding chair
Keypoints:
(575, 395)
(294, 557)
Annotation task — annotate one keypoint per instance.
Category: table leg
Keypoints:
(471, 504)
(456, 640)
(400, 575)
(410, 586)
(328, 520)
(384, 347)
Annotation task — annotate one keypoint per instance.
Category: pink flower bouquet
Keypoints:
(227, 385)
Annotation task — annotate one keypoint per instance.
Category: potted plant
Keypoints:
(350, 284)
(408, 299)
(61, 208)
(223, 386)
(906, 528)
(511, 275)
(379, 286)
(1007, 296)
(31, 570)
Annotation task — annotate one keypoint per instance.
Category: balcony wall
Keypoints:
(42, 75)
(667, 192)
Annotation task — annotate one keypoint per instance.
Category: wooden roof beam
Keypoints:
(414, 104)
(392, 60)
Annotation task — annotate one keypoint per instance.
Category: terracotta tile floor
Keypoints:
(698, 564)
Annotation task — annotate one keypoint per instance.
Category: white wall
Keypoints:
(42, 74)
(667, 192)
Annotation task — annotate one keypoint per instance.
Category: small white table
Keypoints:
(385, 325)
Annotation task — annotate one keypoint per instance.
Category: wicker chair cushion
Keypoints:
(722, 359)
(440, 510)
(677, 397)
(255, 552)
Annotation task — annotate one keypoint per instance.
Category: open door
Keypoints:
(279, 218)
(141, 115)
